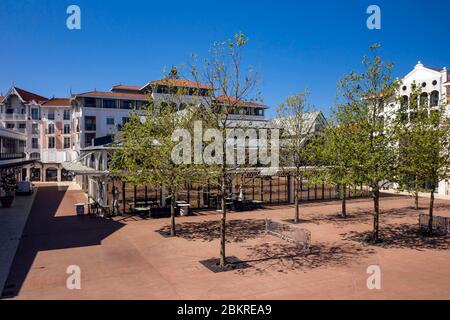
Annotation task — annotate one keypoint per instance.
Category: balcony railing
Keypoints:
(14, 116)
(10, 156)
(245, 117)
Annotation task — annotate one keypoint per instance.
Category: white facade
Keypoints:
(435, 85)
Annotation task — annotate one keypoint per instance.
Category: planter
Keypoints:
(7, 201)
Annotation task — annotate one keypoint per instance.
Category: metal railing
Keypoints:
(11, 156)
(440, 224)
(14, 116)
(288, 231)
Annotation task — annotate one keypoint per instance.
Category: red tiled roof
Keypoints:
(127, 87)
(435, 69)
(57, 102)
(233, 101)
(181, 83)
(29, 96)
(108, 94)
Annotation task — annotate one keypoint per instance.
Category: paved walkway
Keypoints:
(12, 222)
(126, 258)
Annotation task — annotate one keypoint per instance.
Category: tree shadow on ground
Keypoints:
(236, 230)
(285, 257)
(401, 236)
(359, 216)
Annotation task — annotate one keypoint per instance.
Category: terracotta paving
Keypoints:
(127, 259)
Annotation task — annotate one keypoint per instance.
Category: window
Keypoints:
(89, 123)
(140, 104)
(34, 156)
(110, 121)
(35, 114)
(90, 102)
(10, 126)
(66, 142)
(66, 114)
(51, 142)
(22, 125)
(126, 104)
(125, 120)
(424, 99)
(66, 128)
(51, 115)
(35, 128)
(434, 99)
(109, 103)
(34, 143)
(51, 128)
(88, 139)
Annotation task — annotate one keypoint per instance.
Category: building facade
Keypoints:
(435, 87)
(47, 125)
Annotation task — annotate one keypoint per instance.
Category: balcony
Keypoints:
(245, 117)
(12, 156)
(57, 156)
(14, 116)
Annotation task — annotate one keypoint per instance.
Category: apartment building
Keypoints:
(47, 125)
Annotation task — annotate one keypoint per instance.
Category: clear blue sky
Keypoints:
(294, 44)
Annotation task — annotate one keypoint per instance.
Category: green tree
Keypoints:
(364, 101)
(333, 153)
(148, 146)
(293, 118)
(232, 85)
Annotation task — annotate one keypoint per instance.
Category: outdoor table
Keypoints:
(258, 203)
(245, 205)
(142, 211)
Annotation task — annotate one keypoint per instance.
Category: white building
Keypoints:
(435, 85)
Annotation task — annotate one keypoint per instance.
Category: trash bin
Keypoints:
(184, 209)
(79, 209)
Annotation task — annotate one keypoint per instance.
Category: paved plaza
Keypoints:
(127, 258)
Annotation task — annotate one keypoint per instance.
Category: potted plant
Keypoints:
(8, 188)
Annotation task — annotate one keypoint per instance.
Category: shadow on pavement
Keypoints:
(44, 231)
(237, 230)
(401, 236)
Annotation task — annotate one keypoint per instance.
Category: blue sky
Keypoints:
(294, 44)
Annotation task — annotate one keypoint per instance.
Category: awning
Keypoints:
(78, 168)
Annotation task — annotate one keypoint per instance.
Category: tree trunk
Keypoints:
(430, 212)
(223, 220)
(376, 214)
(173, 231)
(296, 201)
(416, 200)
(344, 199)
